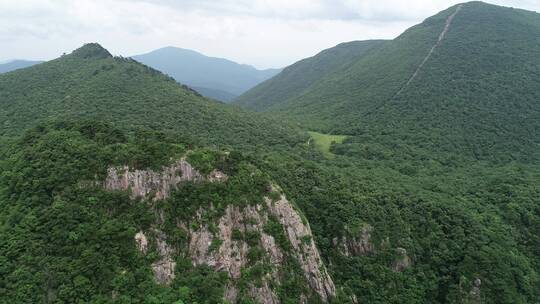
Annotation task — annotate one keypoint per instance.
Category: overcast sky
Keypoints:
(263, 33)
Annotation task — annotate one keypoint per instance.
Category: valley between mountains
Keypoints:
(380, 171)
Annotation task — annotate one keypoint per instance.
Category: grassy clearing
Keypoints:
(324, 141)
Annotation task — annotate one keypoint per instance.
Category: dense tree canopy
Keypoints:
(447, 170)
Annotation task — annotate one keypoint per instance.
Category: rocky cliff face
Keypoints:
(402, 262)
(355, 245)
(360, 244)
(240, 231)
(144, 183)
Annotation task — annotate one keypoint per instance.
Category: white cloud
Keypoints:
(266, 33)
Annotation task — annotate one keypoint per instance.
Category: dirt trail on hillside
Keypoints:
(441, 37)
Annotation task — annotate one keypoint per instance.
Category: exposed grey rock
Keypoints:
(402, 262)
(217, 176)
(231, 293)
(306, 252)
(143, 183)
(358, 245)
(264, 294)
(142, 242)
(475, 294)
(231, 255)
(164, 267)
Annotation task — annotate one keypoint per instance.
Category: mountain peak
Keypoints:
(91, 50)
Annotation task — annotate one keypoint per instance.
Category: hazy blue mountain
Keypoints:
(16, 64)
(216, 78)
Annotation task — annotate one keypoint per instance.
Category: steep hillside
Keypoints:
(16, 64)
(464, 81)
(197, 70)
(90, 83)
(402, 208)
(91, 214)
(295, 79)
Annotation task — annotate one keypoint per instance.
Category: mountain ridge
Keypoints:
(90, 82)
(197, 70)
(304, 73)
(364, 95)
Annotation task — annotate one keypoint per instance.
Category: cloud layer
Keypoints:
(265, 33)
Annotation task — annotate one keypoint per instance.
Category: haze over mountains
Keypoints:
(399, 171)
(91, 83)
(217, 78)
(12, 65)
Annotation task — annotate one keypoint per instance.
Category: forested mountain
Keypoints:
(90, 83)
(475, 87)
(16, 64)
(215, 94)
(211, 75)
(295, 79)
(119, 185)
(92, 214)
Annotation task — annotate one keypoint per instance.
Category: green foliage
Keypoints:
(200, 284)
(64, 240)
(216, 243)
(293, 80)
(475, 96)
(91, 84)
(274, 228)
(204, 160)
(247, 187)
(323, 142)
(252, 238)
(237, 235)
(447, 170)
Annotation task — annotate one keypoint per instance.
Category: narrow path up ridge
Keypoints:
(441, 37)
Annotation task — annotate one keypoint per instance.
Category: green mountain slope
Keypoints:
(69, 234)
(474, 92)
(398, 214)
(197, 70)
(90, 83)
(295, 79)
(215, 94)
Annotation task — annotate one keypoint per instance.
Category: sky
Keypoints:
(263, 33)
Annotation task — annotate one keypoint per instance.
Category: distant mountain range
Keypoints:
(8, 66)
(216, 78)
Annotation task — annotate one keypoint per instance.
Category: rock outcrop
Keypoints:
(232, 254)
(144, 183)
(164, 267)
(359, 243)
(301, 238)
(222, 248)
(474, 296)
(356, 245)
(402, 262)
